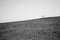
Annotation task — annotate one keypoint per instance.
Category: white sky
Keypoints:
(16, 10)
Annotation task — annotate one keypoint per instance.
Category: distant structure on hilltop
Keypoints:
(42, 16)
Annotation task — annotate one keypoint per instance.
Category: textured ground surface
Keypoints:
(36, 29)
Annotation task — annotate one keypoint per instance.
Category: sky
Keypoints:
(18, 10)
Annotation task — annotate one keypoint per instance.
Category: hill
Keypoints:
(11, 30)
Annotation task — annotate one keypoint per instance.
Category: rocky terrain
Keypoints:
(36, 29)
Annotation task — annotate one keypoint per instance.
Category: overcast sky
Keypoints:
(17, 10)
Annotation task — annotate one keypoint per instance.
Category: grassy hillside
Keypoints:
(36, 29)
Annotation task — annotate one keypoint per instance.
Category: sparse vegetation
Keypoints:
(34, 35)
